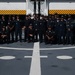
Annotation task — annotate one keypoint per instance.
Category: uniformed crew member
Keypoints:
(10, 29)
(73, 23)
(3, 22)
(41, 29)
(0, 37)
(69, 33)
(61, 31)
(53, 21)
(26, 25)
(56, 29)
(3, 35)
(18, 29)
(30, 33)
(36, 28)
(49, 21)
(49, 37)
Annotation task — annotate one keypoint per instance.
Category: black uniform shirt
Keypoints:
(30, 31)
(3, 23)
(50, 33)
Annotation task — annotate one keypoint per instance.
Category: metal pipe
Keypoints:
(34, 6)
(39, 8)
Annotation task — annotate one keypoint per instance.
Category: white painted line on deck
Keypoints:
(28, 49)
(64, 57)
(61, 48)
(8, 48)
(7, 57)
(43, 56)
(35, 68)
(32, 56)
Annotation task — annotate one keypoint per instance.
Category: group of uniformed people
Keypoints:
(49, 29)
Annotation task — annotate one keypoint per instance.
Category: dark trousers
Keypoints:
(73, 39)
(10, 36)
(30, 38)
(18, 33)
(48, 41)
(25, 35)
(36, 35)
(69, 40)
(41, 36)
(3, 40)
(61, 39)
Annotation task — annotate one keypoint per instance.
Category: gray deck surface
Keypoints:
(49, 66)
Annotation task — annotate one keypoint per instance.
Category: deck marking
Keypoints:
(32, 56)
(12, 48)
(35, 68)
(7, 57)
(60, 48)
(28, 49)
(64, 57)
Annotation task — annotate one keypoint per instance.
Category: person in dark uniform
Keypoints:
(3, 35)
(49, 21)
(29, 18)
(56, 29)
(45, 22)
(69, 33)
(49, 36)
(73, 24)
(41, 29)
(0, 37)
(36, 28)
(10, 29)
(53, 21)
(18, 29)
(61, 31)
(25, 27)
(30, 33)
(3, 22)
(13, 27)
